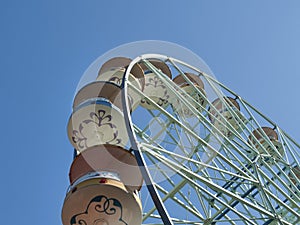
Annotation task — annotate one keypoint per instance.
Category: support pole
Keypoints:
(138, 154)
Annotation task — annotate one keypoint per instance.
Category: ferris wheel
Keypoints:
(159, 140)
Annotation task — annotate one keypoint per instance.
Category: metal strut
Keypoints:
(135, 148)
(245, 195)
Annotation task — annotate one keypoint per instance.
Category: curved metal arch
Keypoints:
(135, 147)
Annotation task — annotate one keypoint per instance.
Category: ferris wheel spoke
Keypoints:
(185, 203)
(219, 159)
(290, 148)
(195, 176)
(170, 195)
(149, 149)
(189, 206)
(176, 189)
(281, 189)
(216, 187)
(233, 157)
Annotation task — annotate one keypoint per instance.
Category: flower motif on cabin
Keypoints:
(155, 81)
(156, 90)
(100, 210)
(97, 129)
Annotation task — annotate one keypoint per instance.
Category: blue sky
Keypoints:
(251, 46)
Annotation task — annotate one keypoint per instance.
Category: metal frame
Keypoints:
(134, 147)
(232, 186)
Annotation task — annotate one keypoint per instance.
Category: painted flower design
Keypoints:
(97, 129)
(156, 90)
(100, 210)
(155, 82)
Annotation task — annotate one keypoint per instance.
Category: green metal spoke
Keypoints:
(212, 169)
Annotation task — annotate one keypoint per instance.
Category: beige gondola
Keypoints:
(101, 199)
(262, 145)
(294, 176)
(95, 122)
(295, 180)
(155, 88)
(107, 158)
(99, 89)
(193, 91)
(225, 113)
(114, 70)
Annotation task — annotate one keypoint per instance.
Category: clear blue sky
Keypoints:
(253, 47)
